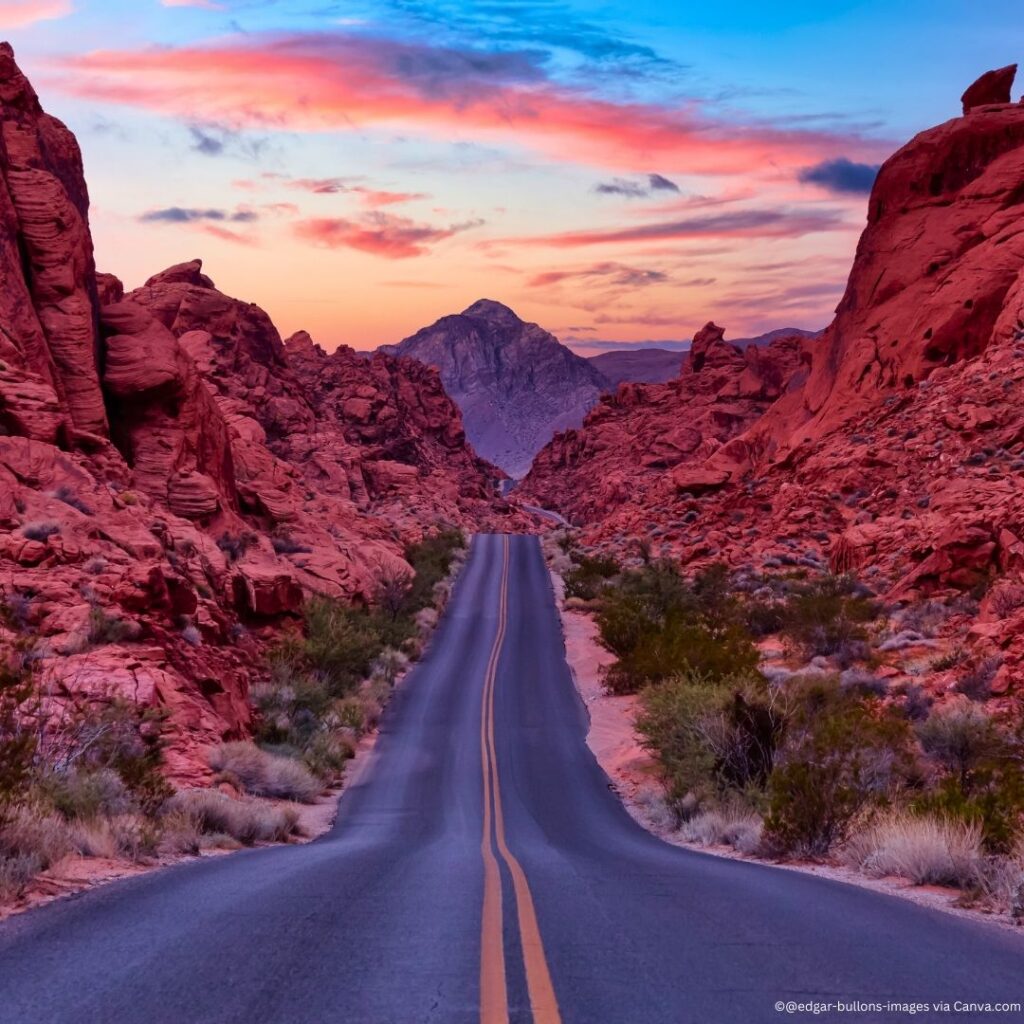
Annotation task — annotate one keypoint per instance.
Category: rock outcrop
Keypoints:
(174, 479)
(515, 384)
(645, 434)
(893, 446)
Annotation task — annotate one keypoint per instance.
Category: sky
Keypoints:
(617, 171)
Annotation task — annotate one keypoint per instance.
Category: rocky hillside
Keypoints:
(895, 447)
(515, 384)
(173, 478)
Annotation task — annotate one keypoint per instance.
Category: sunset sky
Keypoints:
(623, 170)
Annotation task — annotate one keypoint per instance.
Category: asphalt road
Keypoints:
(482, 870)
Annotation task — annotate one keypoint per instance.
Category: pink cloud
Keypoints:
(338, 81)
(382, 234)
(22, 13)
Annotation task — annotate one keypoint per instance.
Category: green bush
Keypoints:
(671, 722)
(710, 737)
(828, 616)
(983, 776)
(87, 794)
(683, 644)
(341, 641)
(589, 577)
(841, 753)
(431, 560)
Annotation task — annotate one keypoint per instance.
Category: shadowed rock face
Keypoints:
(894, 448)
(515, 384)
(160, 450)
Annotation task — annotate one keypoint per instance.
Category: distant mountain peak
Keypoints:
(489, 309)
(516, 384)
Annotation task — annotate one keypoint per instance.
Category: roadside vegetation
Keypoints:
(778, 731)
(89, 780)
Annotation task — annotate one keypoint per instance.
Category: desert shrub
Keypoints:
(828, 616)
(341, 642)
(981, 772)
(235, 545)
(841, 753)
(733, 823)
(431, 560)
(84, 794)
(327, 753)
(17, 743)
(1006, 598)
(976, 679)
(264, 774)
(1002, 881)
(283, 544)
(34, 831)
(926, 849)
(589, 576)
(763, 618)
(683, 644)
(40, 531)
(248, 821)
(670, 723)
(131, 836)
(709, 736)
(951, 659)
(67, 495)
(961, 736)
(109, 629)
(121, 737)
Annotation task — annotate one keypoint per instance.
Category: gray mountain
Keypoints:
(515, 383)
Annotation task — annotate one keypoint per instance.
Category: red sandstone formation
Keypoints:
(901, 455)
(173, 478)
(645, 434)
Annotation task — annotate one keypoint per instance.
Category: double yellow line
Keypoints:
(493, 986)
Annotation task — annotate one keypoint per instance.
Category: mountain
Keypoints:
(651, 365)
(895, 445)
(175, 479)
(515, 383)
(769, 336)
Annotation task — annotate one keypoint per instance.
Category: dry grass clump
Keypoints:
(31, 839)
(265, 774)
(214, 813)
(925, 849)
(730, 825)
(130, 836)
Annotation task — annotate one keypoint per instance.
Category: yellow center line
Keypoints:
(493, 990)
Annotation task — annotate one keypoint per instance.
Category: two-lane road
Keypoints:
(482, 870)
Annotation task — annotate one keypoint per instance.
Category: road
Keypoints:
(482, 870)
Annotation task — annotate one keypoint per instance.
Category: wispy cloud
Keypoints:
(382, 234)
(636, 189)
(371, 197)
(16, 14)
(841, 175)
(338, 80)
(615, 274)
(754, 223)
(192, 215)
